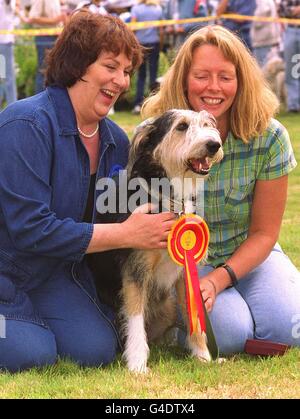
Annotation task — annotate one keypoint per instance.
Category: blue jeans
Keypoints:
(42, 43)
(264, 305)
(261, 53)
(292, 71)
(8, 87)
(151, 60)
(60, 317)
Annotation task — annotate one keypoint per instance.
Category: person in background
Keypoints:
(44, 14)
(120, 8)
(240, 27)
(54, 147)
(8, 89)
(185, 9)
(265, 36)
(94, 6)
(291, 9)
(151, 38)
(250, 287)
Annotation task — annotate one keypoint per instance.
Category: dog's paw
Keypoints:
(138, 368)
(198, 347)
(202, 354)
(137, 360)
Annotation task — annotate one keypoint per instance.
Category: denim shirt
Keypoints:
(44, 182)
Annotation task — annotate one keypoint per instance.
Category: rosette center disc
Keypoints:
(188, 240)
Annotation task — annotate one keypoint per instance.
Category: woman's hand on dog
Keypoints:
(140, 231)
(148, 231)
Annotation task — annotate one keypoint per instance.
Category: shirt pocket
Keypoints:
(238, 202)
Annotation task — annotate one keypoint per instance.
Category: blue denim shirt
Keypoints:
(44, 182)
(240, 7)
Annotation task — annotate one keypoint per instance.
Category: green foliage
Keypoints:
(26, 63)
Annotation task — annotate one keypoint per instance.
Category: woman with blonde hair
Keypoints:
(250, 287)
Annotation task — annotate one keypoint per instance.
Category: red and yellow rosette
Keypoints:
(187, 245)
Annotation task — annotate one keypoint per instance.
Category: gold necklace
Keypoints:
(88, 135)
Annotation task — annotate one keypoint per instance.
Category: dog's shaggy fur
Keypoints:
(140, 283)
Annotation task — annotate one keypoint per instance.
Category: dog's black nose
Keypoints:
(212, 147)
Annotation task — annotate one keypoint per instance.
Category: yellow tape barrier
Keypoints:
(157, 23)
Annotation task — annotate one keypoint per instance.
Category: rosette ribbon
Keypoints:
(187, 245)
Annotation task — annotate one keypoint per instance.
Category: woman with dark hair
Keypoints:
(54, 146)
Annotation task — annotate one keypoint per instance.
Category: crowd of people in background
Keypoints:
(268, 41)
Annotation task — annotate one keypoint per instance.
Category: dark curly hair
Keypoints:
(84, 37)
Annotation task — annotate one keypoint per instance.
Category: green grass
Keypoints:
(290, 232)
(173, 373)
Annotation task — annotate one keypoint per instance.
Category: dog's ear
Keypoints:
(147, 136)
(141, 133)
(161, 124)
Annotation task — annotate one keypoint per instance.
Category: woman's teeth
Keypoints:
(108, 92)
(211, 101)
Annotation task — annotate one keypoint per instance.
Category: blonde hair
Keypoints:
(254, 105)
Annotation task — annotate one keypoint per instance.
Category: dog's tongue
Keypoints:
(200, 164)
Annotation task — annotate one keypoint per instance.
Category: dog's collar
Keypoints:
(176, 206)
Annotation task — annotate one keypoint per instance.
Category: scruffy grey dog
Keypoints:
(139, 285)
(274, 72)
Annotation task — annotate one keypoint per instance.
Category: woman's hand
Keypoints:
(147, 231)
(209, 291)
(139, 231)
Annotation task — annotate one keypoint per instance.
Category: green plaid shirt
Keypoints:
(229, 188)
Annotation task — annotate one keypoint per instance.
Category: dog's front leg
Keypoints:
(136, 347)
(196, 342)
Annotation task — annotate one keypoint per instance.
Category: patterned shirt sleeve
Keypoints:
(279, 159)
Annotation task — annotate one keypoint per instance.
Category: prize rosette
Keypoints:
(187, 245)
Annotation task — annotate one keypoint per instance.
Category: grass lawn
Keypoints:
(174, 374)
